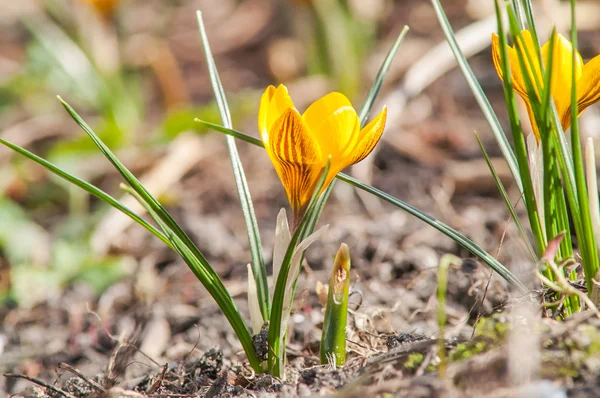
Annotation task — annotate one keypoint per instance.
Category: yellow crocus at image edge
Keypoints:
(105, 8)
(299, 146)
(587, 75)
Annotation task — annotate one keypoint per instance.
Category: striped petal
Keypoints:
(562, 69)
(334, 124)
(263, 110)
(588, 85)
(369, 137)
(273, 103)
(526, 46)
(515, 69)
(297, 159)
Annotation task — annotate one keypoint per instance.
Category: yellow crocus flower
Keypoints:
(299, 146)
(587, 76)
(104, 7)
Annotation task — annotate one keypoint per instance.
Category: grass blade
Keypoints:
(365, 109)
(479, 95)
(589, 241)
(456, 236)
(89, 188)
(258, 264)
(519, 140)
(187, 250)
(592, 180)
(507, 201)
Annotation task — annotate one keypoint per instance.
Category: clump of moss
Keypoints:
(494, 328)
(467, 350)
(489, 333)
(413, 361)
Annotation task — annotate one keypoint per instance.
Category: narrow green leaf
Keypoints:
(456, 236)
(519, 140)
(88, 188)
(365, 109)
(276, 358)
(528, 8)
(189, 252)
(446, 261)
(589, 242)
(507, 201)
(479, 95)
(258, 264)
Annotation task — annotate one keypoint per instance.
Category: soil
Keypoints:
(157, 332)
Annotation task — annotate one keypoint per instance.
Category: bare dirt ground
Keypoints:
(157, 333)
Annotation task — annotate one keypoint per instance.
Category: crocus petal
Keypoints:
(534, 126)
(283, 237)
(526, 46)
(297, 158)
(517, 76)
(273, 103)
(334, 124)
(588, 85)
(369, 137)
(263, 110)
(562, 69)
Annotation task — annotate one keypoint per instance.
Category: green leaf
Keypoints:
(507, 201)
(588, 242)
(258, 264)
(456, 236)
(365, 109)
(184, 247)
(479, 95)
(276, 343)
(519, 140)
(86, 187)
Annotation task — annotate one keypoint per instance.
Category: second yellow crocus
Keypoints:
(587, 75)
(299, 146)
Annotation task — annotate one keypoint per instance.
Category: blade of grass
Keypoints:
(196, 260)
(539, 93)
(507, 201)
(553, 193)
(446, 262)
(592, 181)
(591, 265)
(456, 236)
(519, 140)
(528, 8)
(479, 95)
(365, 109)
(89, 188)
(258, 264)
(177, 245)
